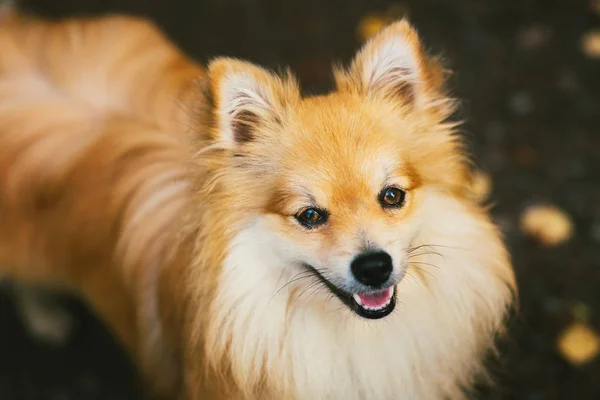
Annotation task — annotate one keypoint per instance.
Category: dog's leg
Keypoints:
(42, 314)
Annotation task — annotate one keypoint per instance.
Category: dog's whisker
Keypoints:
(316, 291)
(426, 253)
(413, 280)
(296, 278)
(424, 271)
(410, 249)
(316, 282)
(424, 263)
(424, 250)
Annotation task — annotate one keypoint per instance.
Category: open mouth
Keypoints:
(371, 305)
(376, 303)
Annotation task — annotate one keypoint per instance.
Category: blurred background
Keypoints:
(528, 75)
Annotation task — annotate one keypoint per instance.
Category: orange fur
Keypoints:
(121, 184)
(91, 129)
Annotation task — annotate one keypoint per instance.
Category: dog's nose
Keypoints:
(373, 268)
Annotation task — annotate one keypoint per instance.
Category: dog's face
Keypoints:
(345, 198)
(338, 180)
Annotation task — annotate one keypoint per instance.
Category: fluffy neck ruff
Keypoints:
(277, 341)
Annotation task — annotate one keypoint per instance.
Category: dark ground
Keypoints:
(531, 99)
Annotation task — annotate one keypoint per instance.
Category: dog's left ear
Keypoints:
(394, 65)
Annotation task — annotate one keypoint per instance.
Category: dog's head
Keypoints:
(337, 182)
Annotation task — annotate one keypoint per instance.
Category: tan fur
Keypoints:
(92, 168)
(120, 183)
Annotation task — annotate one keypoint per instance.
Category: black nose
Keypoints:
(373, 268)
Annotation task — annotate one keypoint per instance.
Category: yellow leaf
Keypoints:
(590, 44)
(578, 344)
(548, 224)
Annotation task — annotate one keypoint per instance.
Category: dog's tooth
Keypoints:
(357, 299)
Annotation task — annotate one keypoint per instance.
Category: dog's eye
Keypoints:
(392, 197)
(311, 217)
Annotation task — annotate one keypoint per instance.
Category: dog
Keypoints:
(241, 240)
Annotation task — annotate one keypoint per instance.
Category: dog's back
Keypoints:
(91, 135)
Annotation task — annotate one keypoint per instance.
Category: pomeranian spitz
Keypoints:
(244, 241)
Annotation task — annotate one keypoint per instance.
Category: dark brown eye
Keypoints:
(392, 197)
(311, 217)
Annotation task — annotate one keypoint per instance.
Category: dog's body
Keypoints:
(213, 225)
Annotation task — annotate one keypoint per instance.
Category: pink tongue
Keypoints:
(376, 299)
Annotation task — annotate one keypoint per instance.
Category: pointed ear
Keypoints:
(247, 100)
(393, 64)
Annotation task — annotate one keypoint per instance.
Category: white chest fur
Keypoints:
(312, 346)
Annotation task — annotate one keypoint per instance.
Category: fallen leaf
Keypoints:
(590, 44)
(578, 344)
(546, 223)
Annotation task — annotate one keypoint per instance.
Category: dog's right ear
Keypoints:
(248, 101)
